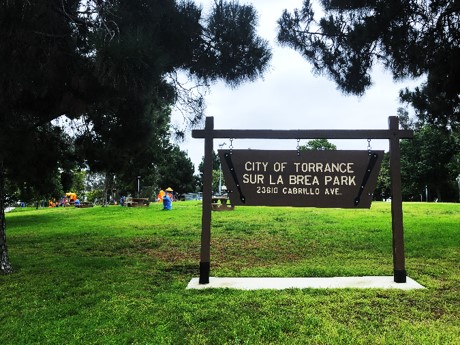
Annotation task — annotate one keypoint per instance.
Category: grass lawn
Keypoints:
(118, 276)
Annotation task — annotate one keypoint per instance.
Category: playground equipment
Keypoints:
(71, 197)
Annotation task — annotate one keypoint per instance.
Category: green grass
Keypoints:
(118, 276)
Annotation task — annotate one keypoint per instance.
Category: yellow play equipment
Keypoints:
(71, 196)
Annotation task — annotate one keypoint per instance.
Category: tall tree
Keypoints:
(411, 38)
(177, 172)
(112, 62)
(430, 162)
(30, 164)
(383, 188)
(215, 172)
(126, 144)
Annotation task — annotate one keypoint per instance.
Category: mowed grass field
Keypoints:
(118, 276)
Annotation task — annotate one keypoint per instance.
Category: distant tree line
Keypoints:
(430, 164)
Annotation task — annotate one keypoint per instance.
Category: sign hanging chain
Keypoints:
(231, 146)
(298, 147)
(369, 147)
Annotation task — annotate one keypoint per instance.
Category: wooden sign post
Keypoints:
(344, 179)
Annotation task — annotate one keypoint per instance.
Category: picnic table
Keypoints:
(137, 202)
(221, 203)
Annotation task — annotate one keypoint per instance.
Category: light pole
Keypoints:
(220, 170)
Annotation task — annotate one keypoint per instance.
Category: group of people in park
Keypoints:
(164, 196)
(69, 199)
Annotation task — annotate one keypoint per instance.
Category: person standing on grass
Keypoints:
(167, 202)
(169, 192)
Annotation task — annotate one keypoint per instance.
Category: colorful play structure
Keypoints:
(168, 191)
(69, 199)
(72, 197)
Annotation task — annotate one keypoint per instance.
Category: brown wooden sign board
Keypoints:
(339, 179)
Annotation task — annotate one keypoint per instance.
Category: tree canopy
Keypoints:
(318, 145)
(430, 163)
(113, 62)
(177, 172)
(411, 38)
(216, 172)
(112, 65)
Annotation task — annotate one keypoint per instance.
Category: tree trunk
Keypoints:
(107, 187)
(5, 266)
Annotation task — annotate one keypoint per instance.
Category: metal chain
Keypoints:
(231, 146)
(369, 147)
(298, 147)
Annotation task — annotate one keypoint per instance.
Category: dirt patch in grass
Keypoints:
(255, 251)
(246, 252)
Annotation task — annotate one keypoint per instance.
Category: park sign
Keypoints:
(342, 179)
(339, 179)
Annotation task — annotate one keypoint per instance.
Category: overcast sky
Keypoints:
(291, 97)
